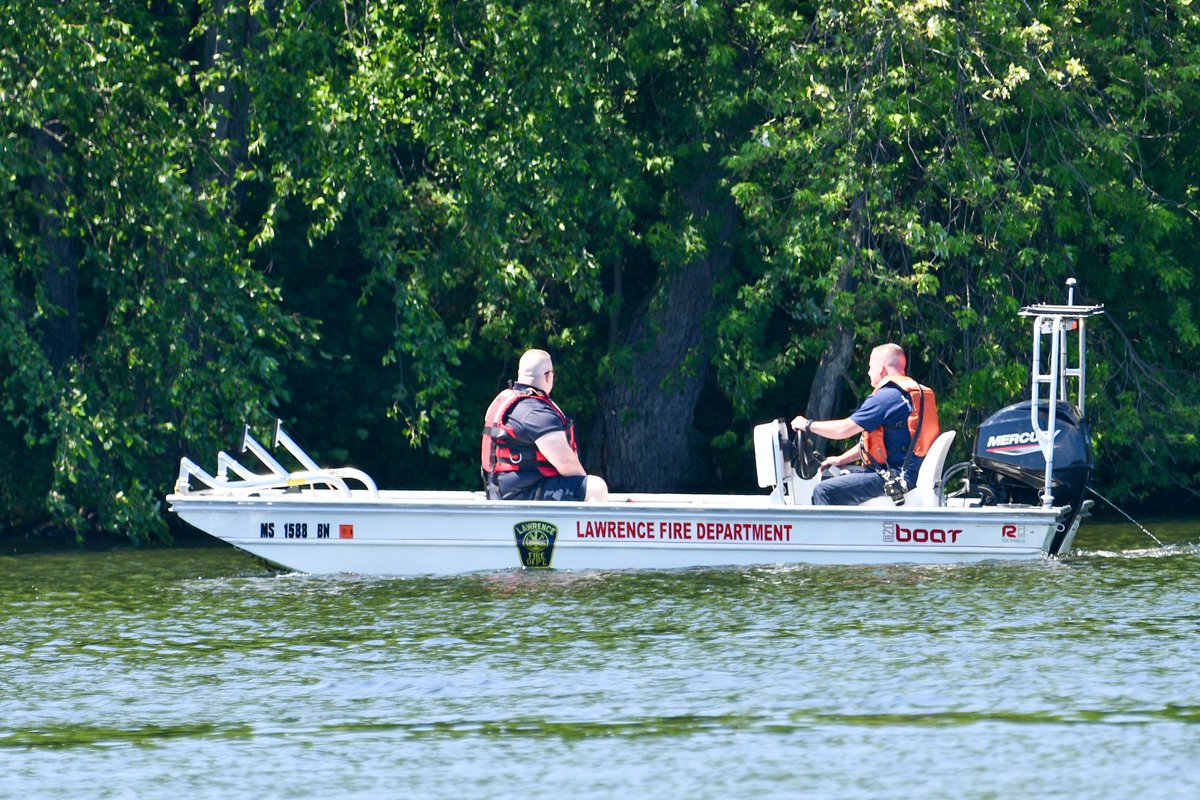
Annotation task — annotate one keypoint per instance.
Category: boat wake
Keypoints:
(1165, 551)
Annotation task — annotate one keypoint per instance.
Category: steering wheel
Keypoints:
(797, 448)
(808, 463)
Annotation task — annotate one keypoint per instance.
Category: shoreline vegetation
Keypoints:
(50, 539)
(355, 216)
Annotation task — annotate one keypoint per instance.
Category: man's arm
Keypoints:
(557, 450)
(842, 428)
(848, 457)
(833, 429)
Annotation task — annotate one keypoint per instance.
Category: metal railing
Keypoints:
(234, 479)
(1057, 322)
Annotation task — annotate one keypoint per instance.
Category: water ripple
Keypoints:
(167, 673)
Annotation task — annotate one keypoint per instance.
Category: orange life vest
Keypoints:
(923, 425)
(501, 451)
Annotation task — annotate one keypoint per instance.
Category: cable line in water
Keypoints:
(1122, 512)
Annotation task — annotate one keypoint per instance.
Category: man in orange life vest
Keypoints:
(529, 450)
(899, 422)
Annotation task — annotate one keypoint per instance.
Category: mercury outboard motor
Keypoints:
(1008, 467)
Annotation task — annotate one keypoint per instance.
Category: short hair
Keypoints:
(892, 355)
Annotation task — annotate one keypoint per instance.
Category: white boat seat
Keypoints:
(928, 491)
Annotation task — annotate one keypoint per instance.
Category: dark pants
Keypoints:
(560, 487)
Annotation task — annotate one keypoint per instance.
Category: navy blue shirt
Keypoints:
(889, 408)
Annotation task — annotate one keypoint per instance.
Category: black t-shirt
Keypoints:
(531, 419)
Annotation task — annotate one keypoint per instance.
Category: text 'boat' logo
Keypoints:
(894, 533)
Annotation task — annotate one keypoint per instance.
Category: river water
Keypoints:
(199, 673)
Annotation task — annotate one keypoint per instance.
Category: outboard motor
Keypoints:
(1008, 467)
(1026, 456)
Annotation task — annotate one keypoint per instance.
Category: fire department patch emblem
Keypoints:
(535, 543)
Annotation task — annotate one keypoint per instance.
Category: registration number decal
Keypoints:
(293, 530)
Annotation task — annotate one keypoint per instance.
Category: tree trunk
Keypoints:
(228, 103)
(831, 375)
(58, 330)
(833, 371)
(644, 439)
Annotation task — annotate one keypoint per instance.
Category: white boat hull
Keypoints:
(448, 533)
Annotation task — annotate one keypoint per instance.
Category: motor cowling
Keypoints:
(1008, 464)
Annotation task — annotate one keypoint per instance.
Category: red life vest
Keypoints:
(923, 425)
(501, 451)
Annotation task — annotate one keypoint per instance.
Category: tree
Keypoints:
(932, 166)
(130, 320)
(356, 215)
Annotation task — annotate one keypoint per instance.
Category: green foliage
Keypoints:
(356, 215)
(470, 146)
(109, 191)
(951, 162)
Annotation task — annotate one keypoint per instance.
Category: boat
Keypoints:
(1020, 497)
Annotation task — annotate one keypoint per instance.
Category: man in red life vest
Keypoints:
(898, 422)
(529, 450)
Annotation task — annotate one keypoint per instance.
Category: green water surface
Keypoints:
(201, 673)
